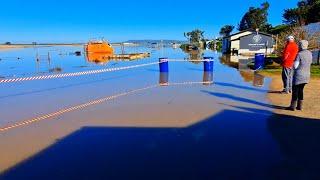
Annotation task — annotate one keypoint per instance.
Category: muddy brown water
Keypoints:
(220, 131)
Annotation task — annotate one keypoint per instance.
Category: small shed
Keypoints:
(248, 42)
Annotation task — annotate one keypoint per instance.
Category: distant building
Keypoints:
(248, 42)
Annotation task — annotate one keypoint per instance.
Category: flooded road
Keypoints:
(186, 129)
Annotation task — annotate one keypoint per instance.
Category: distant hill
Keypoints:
(149, 41)
(313, 28)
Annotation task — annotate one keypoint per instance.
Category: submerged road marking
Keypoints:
(94, 102)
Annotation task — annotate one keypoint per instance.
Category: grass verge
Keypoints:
(277, 69)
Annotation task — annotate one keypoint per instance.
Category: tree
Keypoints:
(195, 37)
(313, 14)
(226, 30)
(256, 18)
(291, 16)
(299, 33)
(297, 16)
(279, 29)
(306, 12)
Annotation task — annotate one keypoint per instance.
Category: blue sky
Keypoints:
(119, 20)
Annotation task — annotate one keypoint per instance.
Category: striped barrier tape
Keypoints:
(91, 103)
(189, 60)
(64, 75)
(55, 76)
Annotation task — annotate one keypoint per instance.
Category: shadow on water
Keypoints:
(274, 92)
(240, 87)
(195, 69)
(244, 144)
(152, 70)
(241, 99)
(298, 140)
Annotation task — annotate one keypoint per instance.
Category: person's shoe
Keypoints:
(293, 106)
(300, 105)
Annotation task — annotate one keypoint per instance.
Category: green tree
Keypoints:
(195, 37)
(313, 14)
(297, 16)
(226, 30)
(279, 29)
(306, 12)
(256, 18)
(291, 16)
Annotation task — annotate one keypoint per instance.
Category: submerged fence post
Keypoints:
(49, 58)
(163, 65)
(208, 64)
(37, 57)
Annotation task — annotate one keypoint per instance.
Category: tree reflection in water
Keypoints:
(195, 55)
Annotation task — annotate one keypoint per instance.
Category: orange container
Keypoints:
(99, 47)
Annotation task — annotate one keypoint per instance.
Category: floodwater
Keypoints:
(180, 130)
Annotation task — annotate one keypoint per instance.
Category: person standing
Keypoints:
(289, 55)
(301, 75)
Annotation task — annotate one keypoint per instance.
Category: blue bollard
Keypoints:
(163, 65)
(208, 63)
(259, 61)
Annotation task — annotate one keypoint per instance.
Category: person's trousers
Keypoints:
(287, 76)
(297, 93)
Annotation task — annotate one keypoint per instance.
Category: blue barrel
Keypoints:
(208, 64)
(259, 61)
(163, 64)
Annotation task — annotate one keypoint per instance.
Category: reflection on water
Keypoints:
(254, 77)
(195, 55)
(226, 60)
(241, 64)
(207, 78)
(258, 80)
(98, 58)
(56, 70)
(164, 79)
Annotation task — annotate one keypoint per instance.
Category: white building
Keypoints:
(248, 42)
